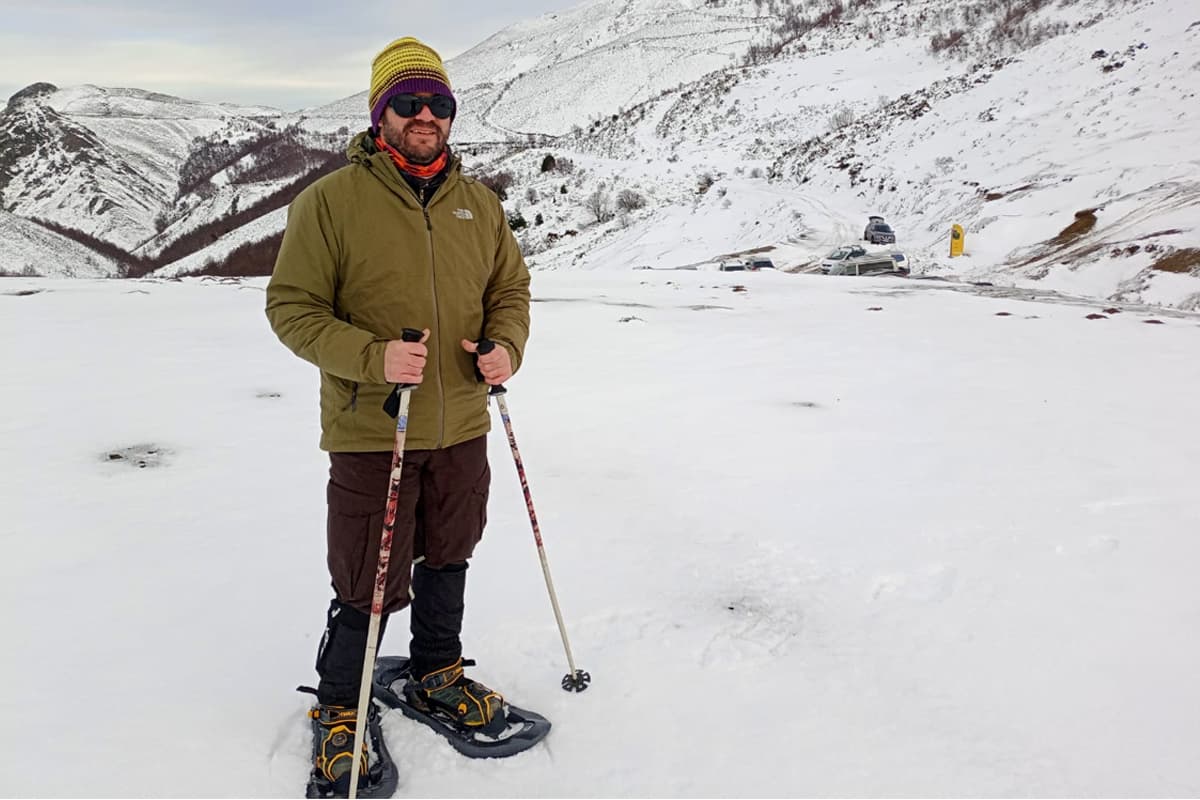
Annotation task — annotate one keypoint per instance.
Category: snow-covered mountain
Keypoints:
(1058, 135)
(1060, 138)
(105, 162)
(561, 70)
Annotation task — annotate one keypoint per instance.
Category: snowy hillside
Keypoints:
(32, 249)
(850, 122)
(560, 70)
(1059, 135)
(102, 161)
(256, 230)
(891, 547)
(1031, 114)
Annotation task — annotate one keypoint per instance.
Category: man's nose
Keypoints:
(425, 115)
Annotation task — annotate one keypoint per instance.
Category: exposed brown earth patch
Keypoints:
(1182, 261)
(1084, 221)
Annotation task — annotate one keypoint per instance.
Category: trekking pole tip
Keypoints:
(576, 681)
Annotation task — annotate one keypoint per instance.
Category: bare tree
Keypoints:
(599, 204)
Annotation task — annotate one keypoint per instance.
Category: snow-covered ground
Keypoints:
(824, 536)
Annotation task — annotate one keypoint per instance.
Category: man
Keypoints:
(400, 238)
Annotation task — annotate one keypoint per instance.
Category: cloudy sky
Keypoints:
(289, 54)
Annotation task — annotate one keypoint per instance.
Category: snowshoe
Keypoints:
(333, 744)
(476, 721)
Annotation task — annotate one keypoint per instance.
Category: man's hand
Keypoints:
(404, 362)
(495, 366)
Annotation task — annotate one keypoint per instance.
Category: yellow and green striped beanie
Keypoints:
(406, 66)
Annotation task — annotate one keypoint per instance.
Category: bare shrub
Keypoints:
(842, 118)
(629, 200)
(599, 205)
(947, 41)
(498, 182)
(1008, 26)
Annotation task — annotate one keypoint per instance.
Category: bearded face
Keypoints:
(420, 139)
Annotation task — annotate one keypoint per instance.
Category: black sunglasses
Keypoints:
(409, 105)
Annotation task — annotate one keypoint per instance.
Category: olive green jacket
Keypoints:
(361, 260)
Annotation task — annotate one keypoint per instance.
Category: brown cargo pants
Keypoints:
(441, 511)
(440, 516)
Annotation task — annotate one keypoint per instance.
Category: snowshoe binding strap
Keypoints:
(333, 746)
(470, 704)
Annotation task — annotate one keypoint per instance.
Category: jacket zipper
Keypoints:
(437, 326)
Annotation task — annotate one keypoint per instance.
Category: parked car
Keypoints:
(732, 266)
(758, 262)
(878, 232)
(853, 259)
(837, 256)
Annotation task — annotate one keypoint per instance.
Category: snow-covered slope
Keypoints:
(256, 230)
(860, 118)
(549, 74)
(102, 161)
(1102, 119)
(32, 249)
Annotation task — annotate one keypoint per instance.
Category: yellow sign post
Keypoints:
(957, 239)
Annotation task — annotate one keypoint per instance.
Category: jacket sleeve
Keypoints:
(506, 299)
(300, 297)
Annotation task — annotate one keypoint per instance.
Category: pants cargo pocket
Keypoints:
(348, 539)
(357, 497)
(454, 509)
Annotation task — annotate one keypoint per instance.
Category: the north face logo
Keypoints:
(463, 213)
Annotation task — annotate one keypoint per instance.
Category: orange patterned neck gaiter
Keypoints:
(423, 171)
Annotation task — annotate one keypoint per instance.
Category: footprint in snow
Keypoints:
(752, 629)
(138, 456)
(934, 584)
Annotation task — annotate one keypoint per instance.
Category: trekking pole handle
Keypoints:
(392, 405)
(483, 346)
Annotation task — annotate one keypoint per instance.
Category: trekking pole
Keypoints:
(576, 680)
(396, 406)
